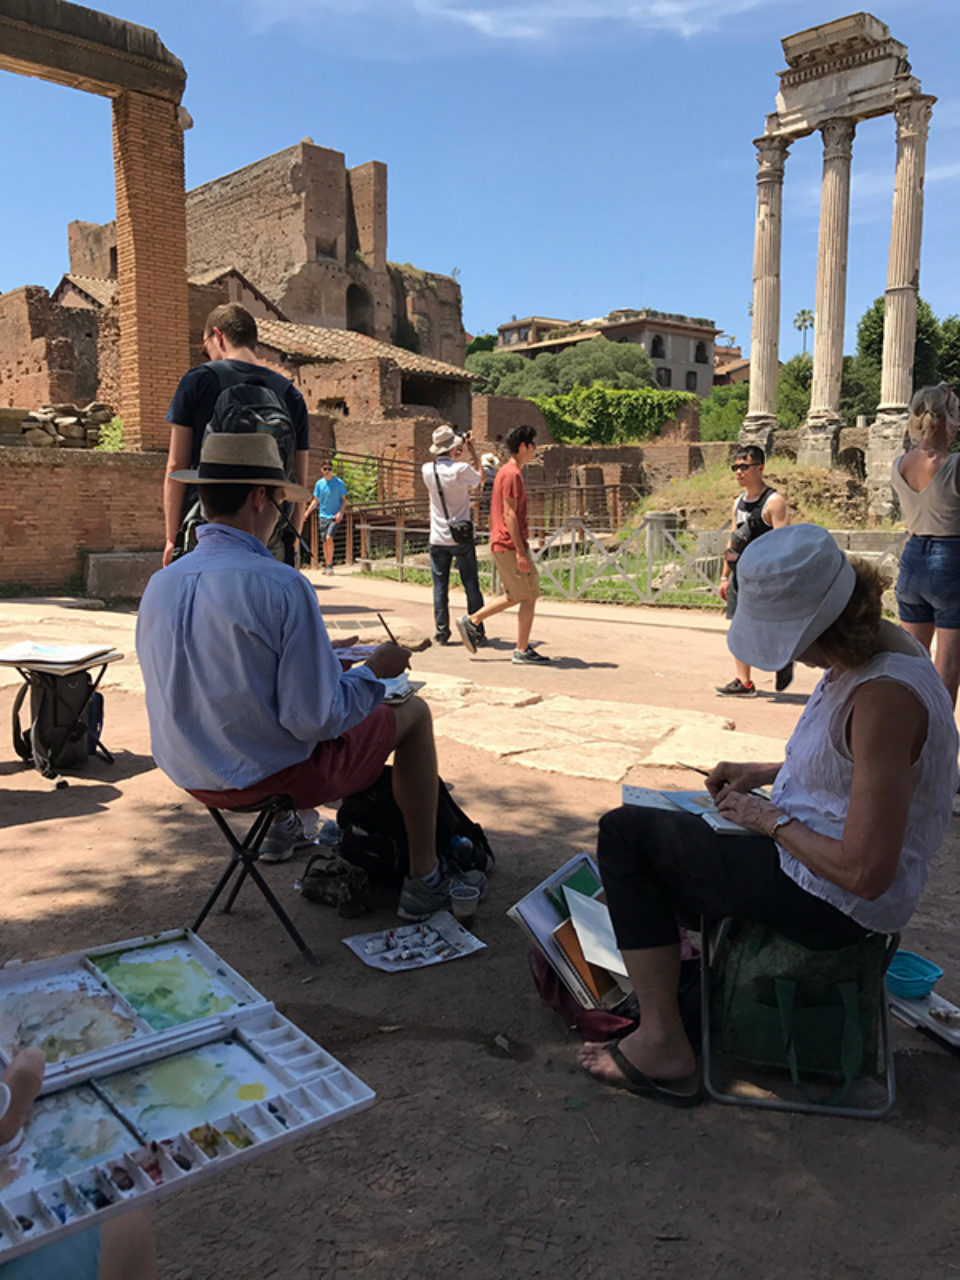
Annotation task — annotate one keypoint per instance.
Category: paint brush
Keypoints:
(393, 638)
(121, 1115)
(695, 769)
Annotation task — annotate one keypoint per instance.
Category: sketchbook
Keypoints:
(29, 653)
(163, 1066)
(699, 803)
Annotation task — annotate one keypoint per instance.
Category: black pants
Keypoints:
(659, 868)
(465, 554)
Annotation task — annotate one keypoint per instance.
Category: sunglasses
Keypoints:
(743, 466)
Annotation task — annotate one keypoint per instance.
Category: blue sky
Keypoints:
(567, 156)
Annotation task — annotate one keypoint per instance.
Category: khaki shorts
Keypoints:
(517, 586)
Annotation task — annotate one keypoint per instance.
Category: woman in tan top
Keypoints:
(926, 479)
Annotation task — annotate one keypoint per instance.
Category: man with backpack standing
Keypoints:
(233, 393)
(449, 481)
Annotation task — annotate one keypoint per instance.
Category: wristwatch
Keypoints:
(782, 821)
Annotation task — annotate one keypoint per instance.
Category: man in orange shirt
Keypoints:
(511, 551)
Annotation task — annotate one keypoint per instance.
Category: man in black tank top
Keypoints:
(756, 511)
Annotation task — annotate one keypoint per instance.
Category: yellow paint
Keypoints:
(252, 1092)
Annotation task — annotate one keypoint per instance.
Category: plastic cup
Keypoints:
(464, 900)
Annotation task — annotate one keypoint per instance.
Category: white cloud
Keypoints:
(516, 20)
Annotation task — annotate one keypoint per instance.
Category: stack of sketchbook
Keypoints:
(567, 921)
(58, 659)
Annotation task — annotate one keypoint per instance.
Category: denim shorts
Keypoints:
(328, 527)
(928, 585)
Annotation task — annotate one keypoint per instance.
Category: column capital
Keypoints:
(771, 157)
(913, 116)
(838, 138)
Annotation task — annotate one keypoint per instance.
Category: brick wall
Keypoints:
(367, 189)
(151, 262)
(53, 502)
(494, 416)
(47, 352)
(93, 249)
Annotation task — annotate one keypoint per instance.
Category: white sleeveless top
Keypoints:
(814, 784)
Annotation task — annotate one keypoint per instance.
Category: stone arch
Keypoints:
(360, 315)
(97, 53)
(853, 460)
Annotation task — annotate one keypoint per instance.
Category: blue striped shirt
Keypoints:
(240, 676)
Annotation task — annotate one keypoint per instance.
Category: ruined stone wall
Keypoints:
(93, 249)
(367, 193)
(493, 416)
(38, 362)
(251, 219)
(432, 305)
(55, 503)
(79, 327)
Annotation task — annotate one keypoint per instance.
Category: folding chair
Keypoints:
(713, 935)
(244, 860)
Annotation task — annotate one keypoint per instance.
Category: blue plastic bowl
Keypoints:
(911, 976)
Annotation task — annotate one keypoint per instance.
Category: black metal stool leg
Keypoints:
(221, 884)
(279, 912)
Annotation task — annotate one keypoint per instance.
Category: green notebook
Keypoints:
(584, 880)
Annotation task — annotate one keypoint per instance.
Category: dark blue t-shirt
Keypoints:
(194, 399)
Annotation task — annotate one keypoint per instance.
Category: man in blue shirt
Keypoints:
(330, 497)
(245, 694)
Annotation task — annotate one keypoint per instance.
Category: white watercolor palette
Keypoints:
(154, 1110)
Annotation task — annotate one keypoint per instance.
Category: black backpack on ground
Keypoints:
(247, 402)
(372, 834)
(66, 718)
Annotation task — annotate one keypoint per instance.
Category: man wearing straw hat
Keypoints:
(245, 693)
(449, 481)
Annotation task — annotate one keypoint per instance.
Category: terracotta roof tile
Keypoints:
(344, 344)
(101, 291)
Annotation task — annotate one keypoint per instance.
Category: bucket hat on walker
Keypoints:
(249, 457)
(792, 584)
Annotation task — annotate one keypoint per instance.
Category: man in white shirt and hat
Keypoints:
(449, 481)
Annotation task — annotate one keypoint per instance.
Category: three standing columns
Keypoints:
(761, 419)
(824, 420)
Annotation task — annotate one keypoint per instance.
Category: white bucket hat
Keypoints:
(792, 584)
(445, 439)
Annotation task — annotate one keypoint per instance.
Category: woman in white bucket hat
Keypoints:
(858, 807)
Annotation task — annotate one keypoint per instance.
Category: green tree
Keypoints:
(793, 391)
(859, 389)
(803, 321)
(949, 367)
(926, 351)
(482, 342)
(723, 411)
(623, 366)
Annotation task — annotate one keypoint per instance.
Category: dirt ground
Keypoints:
(476, 1160)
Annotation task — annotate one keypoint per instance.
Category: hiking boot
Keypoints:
(737, 689)
(418, 901)
(784, 677)
(282, 838)
(470, 633)
(529, 656)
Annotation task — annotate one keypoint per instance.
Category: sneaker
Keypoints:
(784, 677)
(441, 640)
(330, 568)
(737, 689)
(469, 633)
(529, 656)
(418, 901)
(282, 838)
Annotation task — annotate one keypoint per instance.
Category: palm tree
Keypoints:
(803, 321)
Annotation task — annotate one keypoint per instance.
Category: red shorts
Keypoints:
(333, 770)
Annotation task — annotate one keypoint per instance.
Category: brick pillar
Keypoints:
(151, 263)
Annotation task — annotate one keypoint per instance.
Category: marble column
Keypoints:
(817, 446)
(761, 420)
(887, 434)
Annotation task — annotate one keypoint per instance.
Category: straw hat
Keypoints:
(792, 584)
(247, 458)
(445, 439)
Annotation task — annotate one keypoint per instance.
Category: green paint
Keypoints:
(167, 991)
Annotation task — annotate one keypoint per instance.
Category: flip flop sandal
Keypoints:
(684, 1092)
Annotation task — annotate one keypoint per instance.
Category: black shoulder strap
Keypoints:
(21, 741)
(443, 501)
(226, 374)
